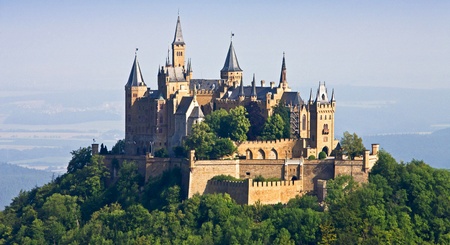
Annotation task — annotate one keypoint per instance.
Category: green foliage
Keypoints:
(233, 124)
(256, 120)
(224, 177)
(161, 152)
(284, 113)
(206, 144)
(273, 128)
(352, 145)
(216, 120)
(80, 158)
(312, 157)
(406, 203)
(322, 155)
(119, 147)
(179, 151)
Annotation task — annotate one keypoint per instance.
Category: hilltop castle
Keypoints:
(162, 118)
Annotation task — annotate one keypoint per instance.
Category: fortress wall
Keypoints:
(273, 192)
(238, 190)
(202, 171)
(266, 168)
(314, 170)
(351, 167)
(157, 166)
(285, 148)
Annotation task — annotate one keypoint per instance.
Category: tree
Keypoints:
(238, 124)
(322, 155)
(80, 158)
(256, 120)
(273, 128)
(161, 152)
(284, 112)
(119, 147)
(201, 140)
(222, 147)
(216, 123)
(352, 145)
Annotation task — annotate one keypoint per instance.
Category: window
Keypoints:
(325, 129)
(161, 119)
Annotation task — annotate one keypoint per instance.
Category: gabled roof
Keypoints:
(231, 62)
(322, 94)
(178, 38)
(135, 78)
(292, 98)
(184, 105)
(176, 74)
(197, 113)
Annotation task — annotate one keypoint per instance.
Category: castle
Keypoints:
(162, 118)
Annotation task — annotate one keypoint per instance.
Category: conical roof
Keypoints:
(231, 62)
(178, 38)
(283, 71)
(135, 78)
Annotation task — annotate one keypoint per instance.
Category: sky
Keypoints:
(66, 45)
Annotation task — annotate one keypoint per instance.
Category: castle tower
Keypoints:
(322, 121)
(178, 46)
(231, 70)
(135, 90)
(283, 82)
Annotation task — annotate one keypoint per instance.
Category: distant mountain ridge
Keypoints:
(14, 178)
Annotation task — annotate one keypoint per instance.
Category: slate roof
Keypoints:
(197, 113)
(135, 78)
(176, 74)
(184, 105)
(205, 84)
(260, 92)
(292, 98)
(154, 94)
(178, 38)
(231, 61)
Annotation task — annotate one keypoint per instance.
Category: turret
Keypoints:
(231, 70)
(253, 95)
(241, 91)
(178, 46)
(283, 82)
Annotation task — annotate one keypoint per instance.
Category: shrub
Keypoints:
(322, 155)
(161, 152)
(224, 177)
(312, 157)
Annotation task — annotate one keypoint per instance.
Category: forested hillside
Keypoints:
(14, 178)
(402, 204)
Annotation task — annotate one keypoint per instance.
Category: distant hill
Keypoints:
(14, 178)
(431, 148)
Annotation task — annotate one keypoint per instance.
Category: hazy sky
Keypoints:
(81, 44)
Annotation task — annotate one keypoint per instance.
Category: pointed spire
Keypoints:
(189, 67)
(168, 57)
(283, 71)
(231, 61)
(332, 96)
(253, 86)
(310, 97)
(178, 39)
(241, 88)
(135, 78)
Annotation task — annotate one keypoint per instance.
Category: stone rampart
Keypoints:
(250, 192)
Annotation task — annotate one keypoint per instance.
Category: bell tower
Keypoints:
(178, 46)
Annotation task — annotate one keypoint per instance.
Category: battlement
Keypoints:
(267, 141)
(228, 183)
(280, 183)
(205, 92)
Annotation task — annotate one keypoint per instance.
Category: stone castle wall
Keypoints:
(250, 192)
(271, 149)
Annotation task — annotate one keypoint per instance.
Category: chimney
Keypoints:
(272, 84)
(263, 83)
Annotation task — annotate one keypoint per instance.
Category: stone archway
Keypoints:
(248, 154)
(260, 154)
(273, 154)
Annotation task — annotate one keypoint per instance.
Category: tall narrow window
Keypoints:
(304, 122)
